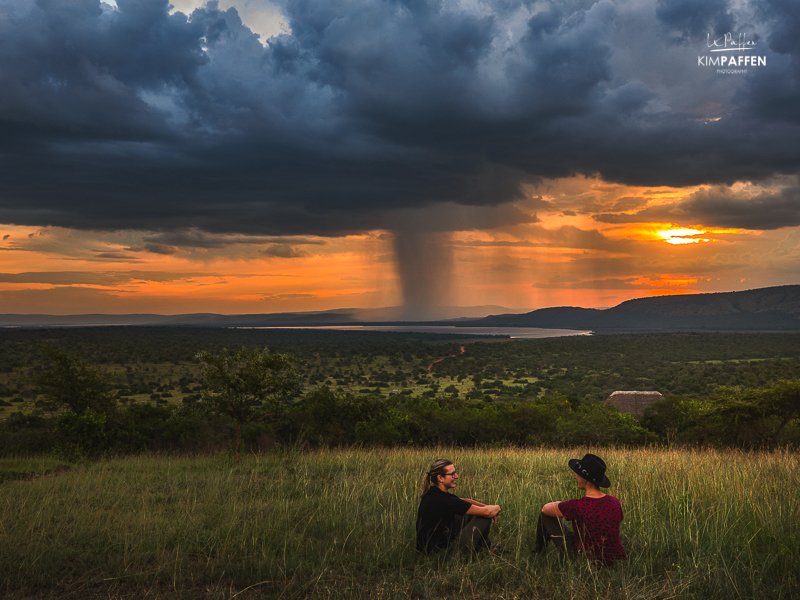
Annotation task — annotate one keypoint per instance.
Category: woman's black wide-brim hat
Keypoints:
(592, 469)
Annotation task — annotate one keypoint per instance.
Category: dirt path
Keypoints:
(430, 366)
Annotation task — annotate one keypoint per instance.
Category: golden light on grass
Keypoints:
(304, 525)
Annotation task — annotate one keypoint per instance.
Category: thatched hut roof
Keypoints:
(633, 402)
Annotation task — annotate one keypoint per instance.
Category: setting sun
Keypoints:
(682, 236)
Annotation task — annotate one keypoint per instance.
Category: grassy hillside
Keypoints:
(340, 525)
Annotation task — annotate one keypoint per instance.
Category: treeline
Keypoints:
(138, 345)
(159, 363)
(324, 418)
(65, 390)
(731, 416)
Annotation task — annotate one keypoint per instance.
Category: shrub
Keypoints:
(81, 435)
(328, 418)
(600, 425)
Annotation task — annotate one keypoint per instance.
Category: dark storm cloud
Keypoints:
(283, 251)
(132, 118)
(158, 249)
(565, 236)
(59, 278)
(115, 257)
(94, 278)
(721, 207)
(693, 20)
(200, 239)
(774, 94)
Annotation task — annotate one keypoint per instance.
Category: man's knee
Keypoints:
(475, 533)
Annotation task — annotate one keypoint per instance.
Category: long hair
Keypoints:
(438, 467)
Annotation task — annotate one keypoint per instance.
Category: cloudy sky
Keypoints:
(262, 156)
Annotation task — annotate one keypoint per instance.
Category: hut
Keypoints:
(633, 403)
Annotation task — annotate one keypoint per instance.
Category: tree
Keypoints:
(677, 419)
(756, 417)
(251, 385)
(70, 382)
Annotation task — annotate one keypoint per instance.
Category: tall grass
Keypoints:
(340, 524)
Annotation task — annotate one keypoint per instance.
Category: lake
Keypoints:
(513, 332)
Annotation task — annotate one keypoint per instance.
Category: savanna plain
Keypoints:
(339, 523)
(139, 496)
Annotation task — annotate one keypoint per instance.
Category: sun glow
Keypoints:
(682, 236)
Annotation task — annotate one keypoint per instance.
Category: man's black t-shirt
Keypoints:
(435, 518)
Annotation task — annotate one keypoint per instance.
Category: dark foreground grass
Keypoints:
(339, 524)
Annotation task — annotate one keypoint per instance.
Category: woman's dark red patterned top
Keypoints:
(596, 524)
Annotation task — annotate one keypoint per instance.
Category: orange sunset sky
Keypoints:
(257, 156)
(562, 255)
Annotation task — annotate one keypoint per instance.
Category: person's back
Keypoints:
(596, 522)
(595, 518)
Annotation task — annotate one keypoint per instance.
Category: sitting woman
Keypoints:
(595, 517)
(445, 521)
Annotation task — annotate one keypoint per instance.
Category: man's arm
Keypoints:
(551, 510)
(485, 510)
(473, 502)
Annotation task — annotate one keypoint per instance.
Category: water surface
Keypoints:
(513, 332)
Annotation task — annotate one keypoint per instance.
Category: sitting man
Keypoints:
(445, 521)
(595, 517)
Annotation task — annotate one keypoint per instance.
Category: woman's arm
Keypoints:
(551, 510)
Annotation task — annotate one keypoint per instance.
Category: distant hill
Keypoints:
(345, 316)
(773, 308)
(198, 319)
